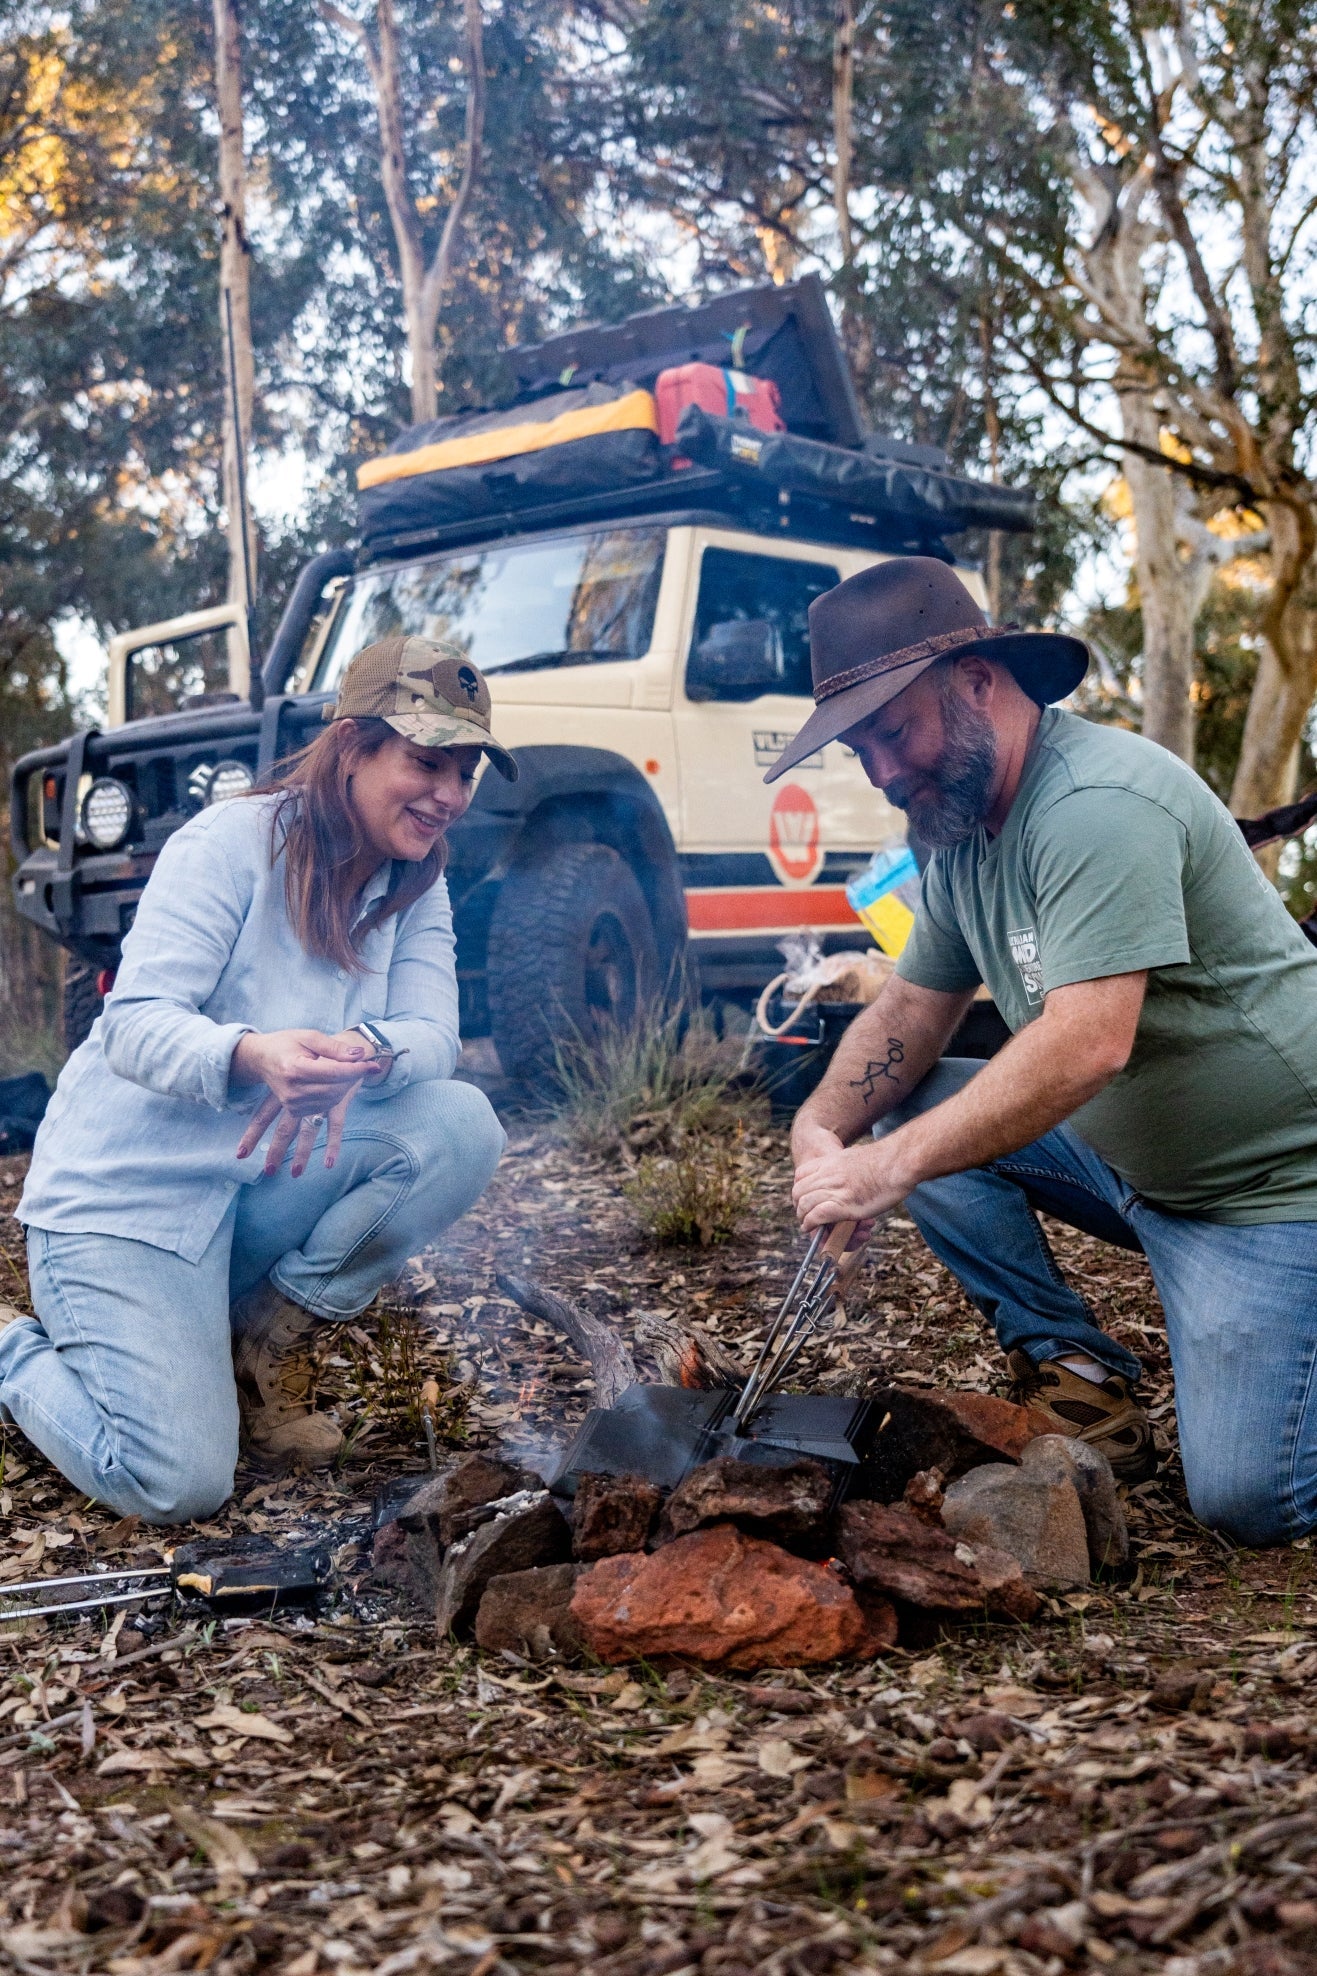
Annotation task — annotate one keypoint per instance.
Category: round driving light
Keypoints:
(229, 779)
(107, 813)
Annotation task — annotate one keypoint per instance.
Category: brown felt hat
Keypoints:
(870, 636)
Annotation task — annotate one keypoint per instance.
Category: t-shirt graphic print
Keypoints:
(1024, 952)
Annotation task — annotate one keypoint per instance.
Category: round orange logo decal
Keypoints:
(795, 846)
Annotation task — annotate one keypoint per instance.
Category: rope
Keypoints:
(761, 1011)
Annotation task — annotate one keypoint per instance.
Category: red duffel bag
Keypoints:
(726, 393)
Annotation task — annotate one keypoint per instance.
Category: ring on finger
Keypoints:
(313, 1118)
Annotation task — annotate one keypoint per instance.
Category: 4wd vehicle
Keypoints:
(639, 603)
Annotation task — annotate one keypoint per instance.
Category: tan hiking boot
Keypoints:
(1107, 1416)
(272, 1364)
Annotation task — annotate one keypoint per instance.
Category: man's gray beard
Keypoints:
(963, 778)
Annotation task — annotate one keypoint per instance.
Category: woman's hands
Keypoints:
(303, 1068)
(310, 1077)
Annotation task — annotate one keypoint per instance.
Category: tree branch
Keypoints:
(437, 277)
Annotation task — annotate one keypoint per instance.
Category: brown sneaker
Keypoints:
(272, 1364)
(1107, 1416)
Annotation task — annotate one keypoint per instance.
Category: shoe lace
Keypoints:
(1022, 1386)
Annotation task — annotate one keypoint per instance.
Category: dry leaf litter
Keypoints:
(1127, 1784)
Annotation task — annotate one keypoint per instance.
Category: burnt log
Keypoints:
(682, 1356)
(603, 1349)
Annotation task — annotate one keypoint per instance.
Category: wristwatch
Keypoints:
(378, 1041)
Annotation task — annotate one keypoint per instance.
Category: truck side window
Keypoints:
(736, 588)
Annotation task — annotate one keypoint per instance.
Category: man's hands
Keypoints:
(310, 1077)
(845, 1183)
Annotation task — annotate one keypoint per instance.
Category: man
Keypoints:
(1160, 1086)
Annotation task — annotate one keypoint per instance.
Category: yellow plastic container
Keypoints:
(884, 895)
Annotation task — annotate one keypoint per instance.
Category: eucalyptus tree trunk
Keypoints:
(843, 123)
(1176, 553)
(1169, 595)
(1286, 682)
(423, 283)
(235, 302)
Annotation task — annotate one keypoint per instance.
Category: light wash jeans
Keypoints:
(125, 1379)
(1240, 1306)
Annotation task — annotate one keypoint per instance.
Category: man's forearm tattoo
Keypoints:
(884, 1067)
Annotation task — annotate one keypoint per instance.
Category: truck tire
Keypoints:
(83, 1002)
(571, 954)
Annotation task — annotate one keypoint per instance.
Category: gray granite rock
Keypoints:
(1059, 1456)
(530, 1613)
(1033, 1516)
(525, 1530)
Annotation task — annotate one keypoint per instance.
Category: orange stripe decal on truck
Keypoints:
(767, 909)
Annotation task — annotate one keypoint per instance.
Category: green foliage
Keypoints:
(697, 1195)
(725, 123)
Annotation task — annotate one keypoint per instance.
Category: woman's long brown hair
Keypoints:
(315, 826)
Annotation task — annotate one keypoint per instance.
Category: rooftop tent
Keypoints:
(783, 333)
(872, 483)
(571, 442)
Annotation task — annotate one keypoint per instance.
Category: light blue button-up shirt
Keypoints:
(141, 1134)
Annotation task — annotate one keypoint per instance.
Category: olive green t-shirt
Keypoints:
(1115, 857)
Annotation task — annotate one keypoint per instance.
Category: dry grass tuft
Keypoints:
(389, 1372)
(696, 1196)
(645, 1088)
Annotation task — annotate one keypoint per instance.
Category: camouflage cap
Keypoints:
(426, 689)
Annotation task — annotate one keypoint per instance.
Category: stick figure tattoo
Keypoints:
(868, 1084)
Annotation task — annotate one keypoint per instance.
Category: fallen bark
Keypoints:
(681, 1356)
(605, 1352)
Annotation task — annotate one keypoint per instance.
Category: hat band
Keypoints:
(908, 655)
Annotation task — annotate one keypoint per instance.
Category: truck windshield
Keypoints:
(571, 600)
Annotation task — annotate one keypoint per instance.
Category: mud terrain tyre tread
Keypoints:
(538, 952)
(83, 1002)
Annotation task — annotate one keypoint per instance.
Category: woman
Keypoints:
(290, 972)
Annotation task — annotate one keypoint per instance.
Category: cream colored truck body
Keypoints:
(757, 863)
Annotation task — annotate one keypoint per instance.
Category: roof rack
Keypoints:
(692, 495)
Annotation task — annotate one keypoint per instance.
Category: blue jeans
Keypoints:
(124, 1380)
(1240, 1305)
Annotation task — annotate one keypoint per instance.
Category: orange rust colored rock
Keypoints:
(726, 1599)
(999, 1424)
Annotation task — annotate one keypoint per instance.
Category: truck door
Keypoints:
(762, 861)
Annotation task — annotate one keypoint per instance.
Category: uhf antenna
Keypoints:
(256, 683)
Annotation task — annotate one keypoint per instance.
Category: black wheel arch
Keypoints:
(571, 795)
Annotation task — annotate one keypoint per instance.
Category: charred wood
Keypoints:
(681, 1355)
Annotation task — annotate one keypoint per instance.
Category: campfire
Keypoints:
(706, 1517)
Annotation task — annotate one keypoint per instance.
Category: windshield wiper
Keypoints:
(541, 661)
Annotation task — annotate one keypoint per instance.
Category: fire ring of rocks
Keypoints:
(971, 1515)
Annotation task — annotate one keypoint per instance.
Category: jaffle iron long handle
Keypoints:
(751, 1386)
(804, 1298)
(822, 1291)
(838, 1239)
